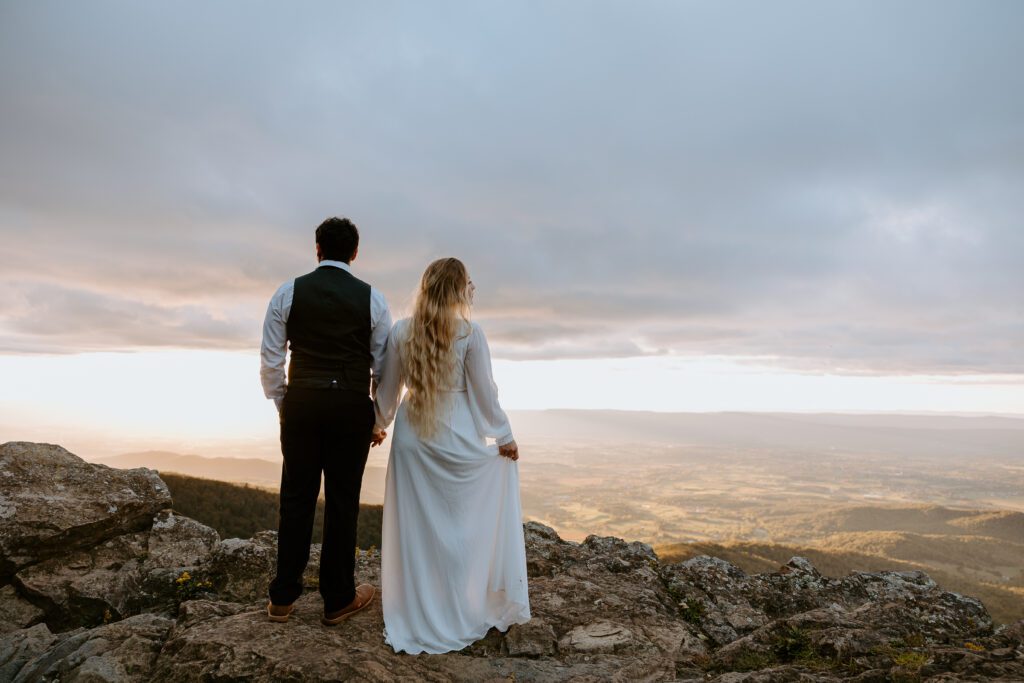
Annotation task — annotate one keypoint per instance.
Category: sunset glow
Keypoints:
(195, 399)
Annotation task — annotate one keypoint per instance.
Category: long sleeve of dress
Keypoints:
(491, 420)
(392, 378)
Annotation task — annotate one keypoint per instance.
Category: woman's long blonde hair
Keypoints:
(441, 311)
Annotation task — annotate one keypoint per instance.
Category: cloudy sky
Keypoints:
(816, 186)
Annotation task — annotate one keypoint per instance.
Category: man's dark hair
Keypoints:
(338, 239)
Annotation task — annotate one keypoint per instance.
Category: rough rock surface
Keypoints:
(124, 575)
(122, 608)
(16, 612)
(52, 502)
(120, 651)
(86, 587)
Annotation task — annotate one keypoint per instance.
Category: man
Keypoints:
(337, 327)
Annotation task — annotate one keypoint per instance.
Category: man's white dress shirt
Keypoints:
(275, 336)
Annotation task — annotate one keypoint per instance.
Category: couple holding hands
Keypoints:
(453, 559)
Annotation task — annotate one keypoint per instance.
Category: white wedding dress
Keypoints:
(453, 556)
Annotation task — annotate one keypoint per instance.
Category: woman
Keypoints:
(453, 557)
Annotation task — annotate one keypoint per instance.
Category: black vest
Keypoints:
(329, 331)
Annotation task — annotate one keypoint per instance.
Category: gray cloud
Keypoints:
(52, 319)
(833, 186)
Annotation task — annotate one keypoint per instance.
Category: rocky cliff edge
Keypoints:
(100, 580)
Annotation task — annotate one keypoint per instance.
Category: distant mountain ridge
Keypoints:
(903, 435)
(245, 470)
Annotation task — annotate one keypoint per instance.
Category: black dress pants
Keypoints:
(328, 431)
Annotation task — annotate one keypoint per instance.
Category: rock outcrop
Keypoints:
(52, 502)
(132, 591)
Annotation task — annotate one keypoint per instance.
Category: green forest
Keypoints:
(240, 510)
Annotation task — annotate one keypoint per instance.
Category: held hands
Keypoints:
(509, 450)
(378, 437)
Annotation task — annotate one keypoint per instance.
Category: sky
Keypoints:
(828, 193)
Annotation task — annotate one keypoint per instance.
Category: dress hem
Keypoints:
(521, 617)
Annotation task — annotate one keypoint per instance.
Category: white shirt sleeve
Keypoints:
(491, 420)
(392, 379)
(380, 327)
(274, 348)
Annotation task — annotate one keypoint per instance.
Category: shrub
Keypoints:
(187, 587)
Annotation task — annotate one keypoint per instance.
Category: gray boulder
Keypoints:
(177, 555)
(88, 587)
(124, 575)
(52, 502)
(178, 542)
(241, 569)
(119, 652)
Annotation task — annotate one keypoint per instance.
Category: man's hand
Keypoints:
(378, 437)
(509, 450)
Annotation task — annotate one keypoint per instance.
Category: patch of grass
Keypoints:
(791, 643)
(907, 663)
(752, 661)
(692, 611)
(915, 640)
(910, 660)
(701, 661)
(879, 650)
(850, 666)
(812, 660)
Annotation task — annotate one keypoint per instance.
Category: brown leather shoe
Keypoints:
(279, 612)
(364, 596)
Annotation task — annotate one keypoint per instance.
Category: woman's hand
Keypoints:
(509, 450)
(378, 437)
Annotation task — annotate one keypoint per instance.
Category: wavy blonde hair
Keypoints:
(441, 311)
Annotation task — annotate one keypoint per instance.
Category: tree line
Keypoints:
(240, 510)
